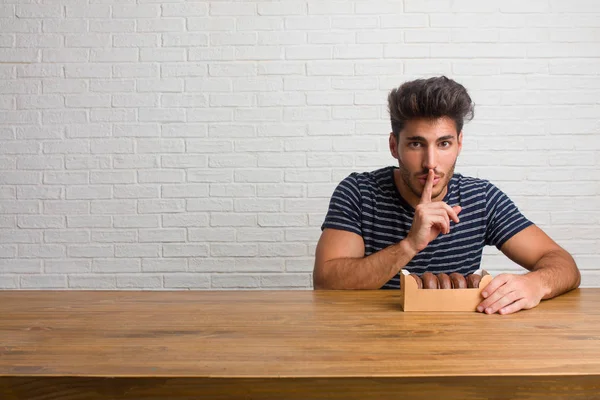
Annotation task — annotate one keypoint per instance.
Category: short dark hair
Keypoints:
(430, 99)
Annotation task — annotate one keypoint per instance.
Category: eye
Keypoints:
(445, 143)
(414, 145)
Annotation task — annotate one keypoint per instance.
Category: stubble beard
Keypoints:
(418, 191)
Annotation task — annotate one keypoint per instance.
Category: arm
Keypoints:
(340, 262)
(552, 272)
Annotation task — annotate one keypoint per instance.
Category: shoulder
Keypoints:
(471, 185)
(467, 182)
(367, 181)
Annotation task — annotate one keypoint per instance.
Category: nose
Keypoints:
(430, 159)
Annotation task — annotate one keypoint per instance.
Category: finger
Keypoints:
(451, 212)
(441, 222)
(436, 222)
(428, 189)
(514, 307)
(447, 223)
(495, 284)
(493, 291)
(502, 302)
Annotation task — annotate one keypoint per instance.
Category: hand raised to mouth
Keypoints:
(431, 218)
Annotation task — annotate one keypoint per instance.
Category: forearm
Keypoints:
(557, 273)
(370, 272)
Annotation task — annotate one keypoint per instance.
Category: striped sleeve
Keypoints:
(344, 211)
(503, 218)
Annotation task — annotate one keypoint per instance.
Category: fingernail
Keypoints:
(488, 310)
(484, 294)
(480, 309)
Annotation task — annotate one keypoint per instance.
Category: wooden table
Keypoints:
(290, 345)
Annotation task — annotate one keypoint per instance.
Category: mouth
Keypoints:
(423, 179)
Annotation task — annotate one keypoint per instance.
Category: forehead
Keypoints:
(429, 129)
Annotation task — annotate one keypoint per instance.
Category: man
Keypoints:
(421, 216)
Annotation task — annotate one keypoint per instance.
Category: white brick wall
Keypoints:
(195, 144)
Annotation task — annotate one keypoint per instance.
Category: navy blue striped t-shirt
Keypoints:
(370, 205)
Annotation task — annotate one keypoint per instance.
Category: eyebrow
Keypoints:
(422, 139)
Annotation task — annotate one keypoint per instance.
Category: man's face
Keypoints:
(422, 145)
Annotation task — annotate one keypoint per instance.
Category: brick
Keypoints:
(136, 221)
(38, 11)
(8, 251)
(64, 25)
(258, 205)
(66, 55)
(64, 207)
(233, 250)
(232, 219)
(43, 282)
(308, 23)
(39, 192)
(254, 23)
(38, 41)
(185, 250)
(40, 162)
(163, 54)
(92, 281)
(280, 190)
(227, 8)
(137, 250)
(135, 70)
(136, 40)
(282, 220)
(87, 40)
(185, 220)
(235, 281)
(113, 206)
(39, 71)
(209, 204)
(211, 234)
(164, 265)
(184, 130)
(184, 10)
(282, 8)
(67, 266)
(88, 192)
(139, 282)
(286, 280)
(161, 176)
(312, 52)
(87, 162)
(136, 191)
(112, 177)
(186, 190)
(17, 266)
(89, 221)
(41, 251)
(112, 26)
(150, 206)
(136, 11)
(188, 281)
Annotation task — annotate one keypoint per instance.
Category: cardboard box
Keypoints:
(415, 299)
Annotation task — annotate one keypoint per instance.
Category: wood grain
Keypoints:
(309, 344)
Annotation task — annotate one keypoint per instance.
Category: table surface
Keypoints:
(294, 334)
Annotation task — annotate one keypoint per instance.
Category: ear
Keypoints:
(460, 140)
(393, 145)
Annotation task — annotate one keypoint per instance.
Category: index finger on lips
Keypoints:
(428, 189)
